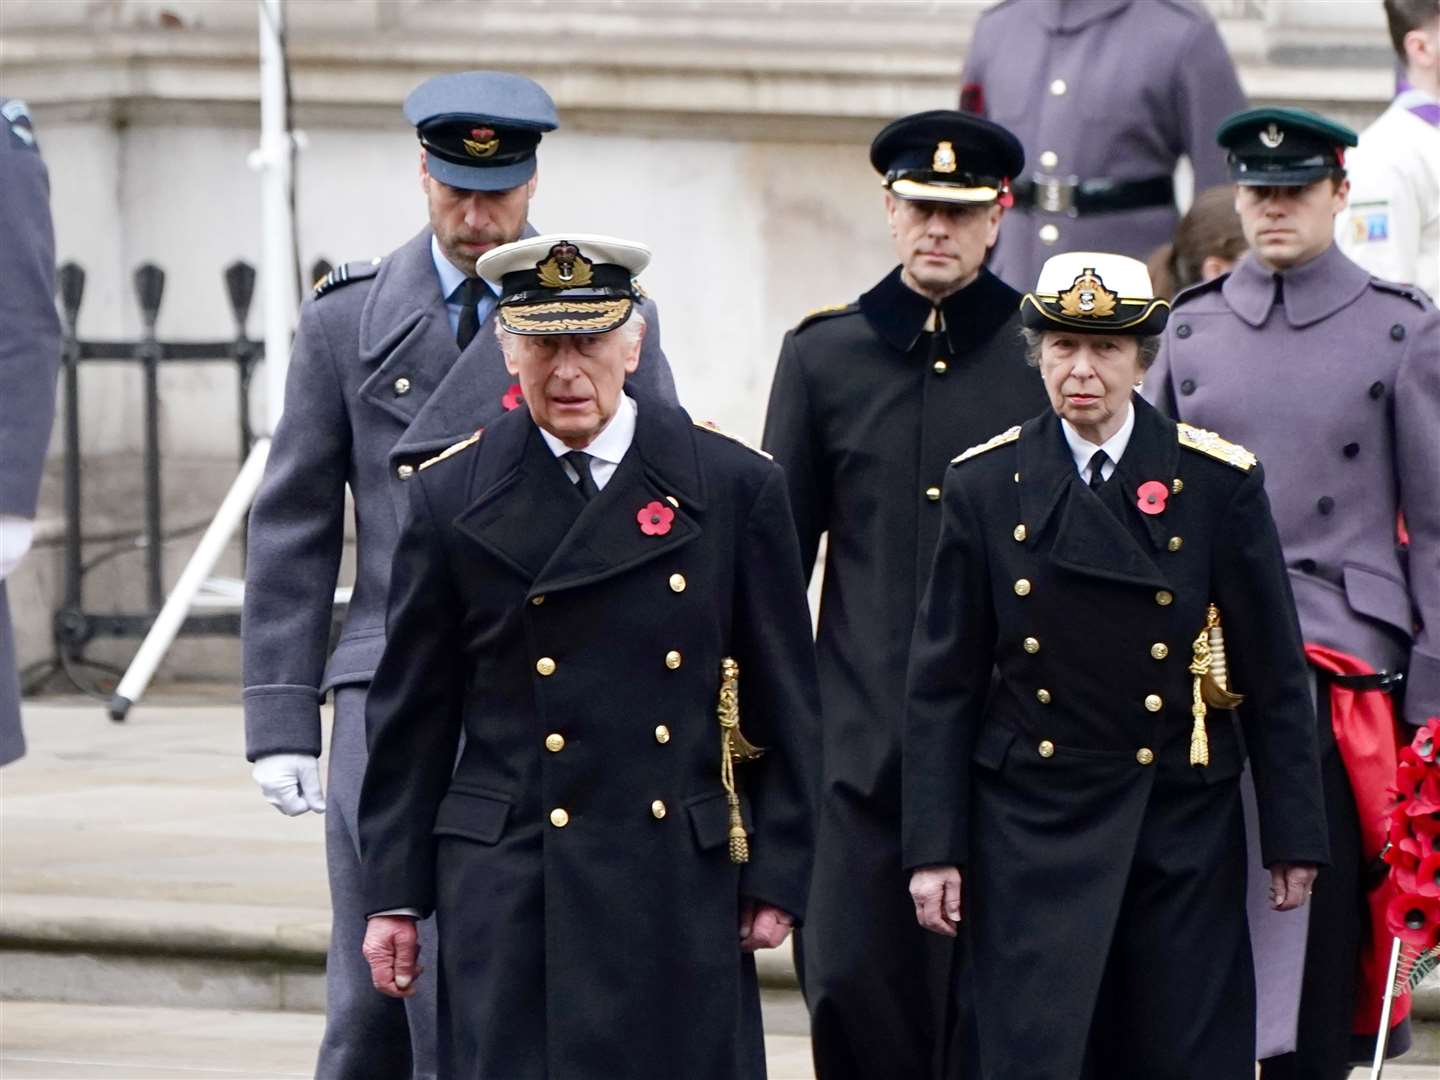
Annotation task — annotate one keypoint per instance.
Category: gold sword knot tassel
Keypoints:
(734, 747)
(1211, 685)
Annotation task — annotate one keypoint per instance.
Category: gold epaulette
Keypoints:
(1207, 442)
(989, 444)
(708, 425)
(823, 313)
(452, 450)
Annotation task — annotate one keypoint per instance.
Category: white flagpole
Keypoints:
(1383, 1035)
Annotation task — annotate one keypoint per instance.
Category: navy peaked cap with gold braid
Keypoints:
(565, 283)
(947, 156)
(1094, 292)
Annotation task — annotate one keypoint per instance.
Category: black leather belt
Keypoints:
(1073, 196)
(1388, 681)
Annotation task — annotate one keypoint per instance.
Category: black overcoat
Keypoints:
(577, 859)
(1104, 874)
(867, 408)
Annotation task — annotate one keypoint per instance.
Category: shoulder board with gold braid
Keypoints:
(827, 312)
(989, 444)
(346, 273)
(1207, 442)
(452, 450)
(706, 425)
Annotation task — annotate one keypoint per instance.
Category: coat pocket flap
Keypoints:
(710, 818)
(475, 814)
(992, 745)
(1379, 596)
(355, 658)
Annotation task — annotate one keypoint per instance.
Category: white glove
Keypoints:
(15, 536)
(290, 783)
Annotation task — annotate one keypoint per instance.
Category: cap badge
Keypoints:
(944, 159)
(1272, 136)
(565, 268)
(483, 142)
(1088, 297)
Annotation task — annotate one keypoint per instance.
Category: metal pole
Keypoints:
(1382, 1037)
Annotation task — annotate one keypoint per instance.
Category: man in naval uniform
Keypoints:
(606, 599)
(29, 357)
(869, 402)
(392, 360)
(1332, 376)
(1105, 96)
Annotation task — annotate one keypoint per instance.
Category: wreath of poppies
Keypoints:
(1413, 853)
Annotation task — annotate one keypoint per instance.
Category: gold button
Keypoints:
(1159, 650)
(1176, 543)
(545, 666)
(1022, 587)
(405, 472)
(1032, 645)
(933, 494)
(1017, 478)
(538, 600)
(940, 367)
(1046, 748)
(554, 742)
(673, 501)
(1145, 755)
(402, 386)
(677, 582)
(1058, 87)
(672, 659)
(559, 818)
(1049, 234)
(1164, 598)
(1153, 702)
(1020, 532)
(1049, 159)
(1176, 486)
(1042, 696)
(658, 809)
(662, 734)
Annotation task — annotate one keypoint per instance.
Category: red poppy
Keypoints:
(1150, 496)
(1415, 920)
(1403, 865)
(1427, 796)
(655, 519)
(1427, 876)
(1426, 829)
(1426, 743)
(513, 398)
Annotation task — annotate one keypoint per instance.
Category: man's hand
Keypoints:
(290, 783)
(392, 949)
(16, 534)
(762, 926)
(936, 892)
(1290, 885)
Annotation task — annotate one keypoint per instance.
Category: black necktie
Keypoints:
(580, 462)
(469, 311)
(1097, 470)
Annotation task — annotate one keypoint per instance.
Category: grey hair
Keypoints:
(1149, 347)
(629, 331)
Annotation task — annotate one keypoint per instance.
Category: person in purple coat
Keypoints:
(1106, 96)
(1332, 376)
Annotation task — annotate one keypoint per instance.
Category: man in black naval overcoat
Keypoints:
(869, 403)
(583, 588)
(393, 361)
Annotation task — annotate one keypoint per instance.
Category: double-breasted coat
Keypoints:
(866, 409)
(1100, 90)
(29, 359)
(577, 858)
(1047, 746)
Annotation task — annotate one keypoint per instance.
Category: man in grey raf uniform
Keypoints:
(29, 357)
(1333, 377)
(1106, 96)
(583, 590)
(869, 403)
(392, 360)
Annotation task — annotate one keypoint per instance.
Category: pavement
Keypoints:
(159, 920)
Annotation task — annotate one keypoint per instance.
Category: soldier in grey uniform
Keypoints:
(29, 357)
(392, 360)
(1105, 96)
(1332, 376)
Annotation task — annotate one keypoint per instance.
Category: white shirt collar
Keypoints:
(614, 440)
(1082, 449)
(450, 276)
